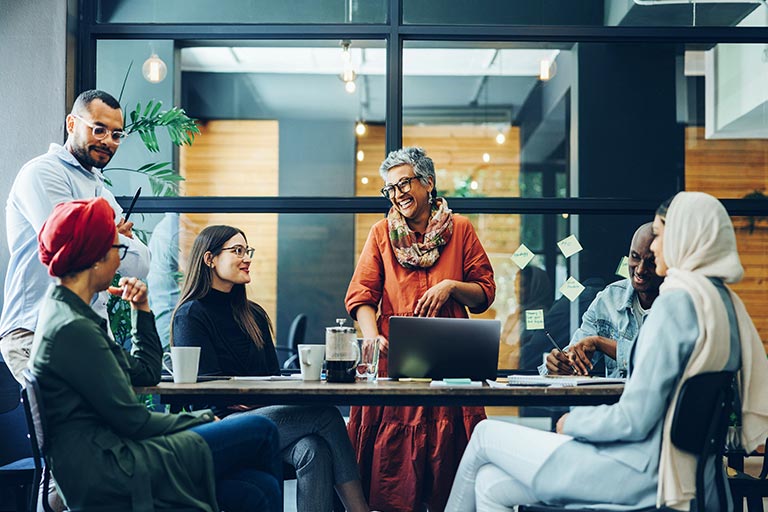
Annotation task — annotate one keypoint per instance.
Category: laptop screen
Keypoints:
(440, 348)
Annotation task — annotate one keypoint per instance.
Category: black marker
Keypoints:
(133, 202)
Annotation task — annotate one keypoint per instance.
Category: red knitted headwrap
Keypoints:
(76, 235)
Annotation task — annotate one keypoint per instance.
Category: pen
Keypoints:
(552, 340)
(133, 202)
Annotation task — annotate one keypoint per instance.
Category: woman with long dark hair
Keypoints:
(235, 336)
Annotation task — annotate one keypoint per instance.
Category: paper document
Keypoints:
(560, 380)
(296, 376)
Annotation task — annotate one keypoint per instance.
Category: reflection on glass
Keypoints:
(242, 11)
(651, 13)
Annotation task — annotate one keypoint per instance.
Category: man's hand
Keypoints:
(561, 424)
(125, 228)
(558, 363)
(434, 298)
(580, 354)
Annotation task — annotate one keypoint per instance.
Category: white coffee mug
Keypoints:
(311, 360)
(184, 363)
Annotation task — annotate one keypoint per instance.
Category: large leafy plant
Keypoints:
(145, 120)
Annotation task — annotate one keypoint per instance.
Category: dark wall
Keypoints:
(630, 144)
(315, 252)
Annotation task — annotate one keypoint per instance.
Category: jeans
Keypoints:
(247, 467)
(313, 440)
(498, 467)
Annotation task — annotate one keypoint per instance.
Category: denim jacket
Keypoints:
(610, 315)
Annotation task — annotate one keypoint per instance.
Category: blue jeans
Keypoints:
(246, 463)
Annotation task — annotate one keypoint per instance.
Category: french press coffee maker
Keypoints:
(342, 354)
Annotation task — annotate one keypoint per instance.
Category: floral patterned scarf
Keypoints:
(411, 254)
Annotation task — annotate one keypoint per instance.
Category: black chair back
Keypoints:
(700, 425)
(296, 334)
(33, 407)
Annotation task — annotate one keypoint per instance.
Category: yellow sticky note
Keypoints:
(522, 256)
(534, 319)
(569, 246)
(623, 268)
(571, 289)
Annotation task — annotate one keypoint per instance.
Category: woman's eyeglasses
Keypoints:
(404, 186)
(122, 248)
(240, 250)
(101, 132)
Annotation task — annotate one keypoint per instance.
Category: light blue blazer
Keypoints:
(614, 459)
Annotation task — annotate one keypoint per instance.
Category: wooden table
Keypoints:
(383, 392)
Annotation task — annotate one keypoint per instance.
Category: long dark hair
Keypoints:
(199, 279)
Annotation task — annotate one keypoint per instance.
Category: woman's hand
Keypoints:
(383, 344)
(561, 423)
(125, 227)
(134, 291)
(433, 299)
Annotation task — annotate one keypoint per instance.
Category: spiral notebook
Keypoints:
(560, 380)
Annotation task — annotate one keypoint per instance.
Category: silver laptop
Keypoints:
(440, 348)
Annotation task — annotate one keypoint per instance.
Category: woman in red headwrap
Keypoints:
(104, 447)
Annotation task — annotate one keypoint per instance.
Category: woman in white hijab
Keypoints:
(609, 454)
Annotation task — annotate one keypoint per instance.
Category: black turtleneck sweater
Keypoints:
(226, 349)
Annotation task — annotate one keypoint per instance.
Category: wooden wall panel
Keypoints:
(731, 169)
(237, 158)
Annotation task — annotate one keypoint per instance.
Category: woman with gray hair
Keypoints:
(422, 260)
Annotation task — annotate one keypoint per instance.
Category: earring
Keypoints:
(431, 199)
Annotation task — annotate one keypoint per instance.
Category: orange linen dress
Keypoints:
(408, 456)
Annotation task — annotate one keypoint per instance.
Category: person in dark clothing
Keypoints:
(235, 337)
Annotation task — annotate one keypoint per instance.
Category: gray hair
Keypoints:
(417, 158)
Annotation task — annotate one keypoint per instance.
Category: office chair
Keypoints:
(699, 426)
(17, 468)
(296, 334)
(35, 413)
(742, 485)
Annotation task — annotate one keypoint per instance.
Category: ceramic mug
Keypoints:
(184, 363)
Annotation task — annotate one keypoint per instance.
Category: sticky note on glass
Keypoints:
(534, 319)
(522, 256)
(623, 268)
(571, 289)
(569, 246)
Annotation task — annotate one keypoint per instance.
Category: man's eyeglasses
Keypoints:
(101, 132)
(404, 186)
(122, 248)
(240, 250)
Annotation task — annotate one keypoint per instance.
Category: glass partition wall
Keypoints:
(543, 121)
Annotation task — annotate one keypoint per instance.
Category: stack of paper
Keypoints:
(559, 380)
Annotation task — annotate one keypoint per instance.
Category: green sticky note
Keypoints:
(623, 268)
(534, 319)
(457, 382)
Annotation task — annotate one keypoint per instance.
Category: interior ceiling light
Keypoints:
(486, 157)
(154, 69)
(500, 137)
(360, 158)
(360, 128)
(348, 73)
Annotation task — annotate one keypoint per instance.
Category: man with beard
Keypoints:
(64, 173)
(613, 320)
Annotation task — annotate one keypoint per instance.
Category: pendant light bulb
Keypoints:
(360, 128)
(154, 69)
(500, 138)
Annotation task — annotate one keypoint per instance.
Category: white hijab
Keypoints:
(699, 242)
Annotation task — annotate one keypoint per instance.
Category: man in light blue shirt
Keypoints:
(613, 320)
(64, 173)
